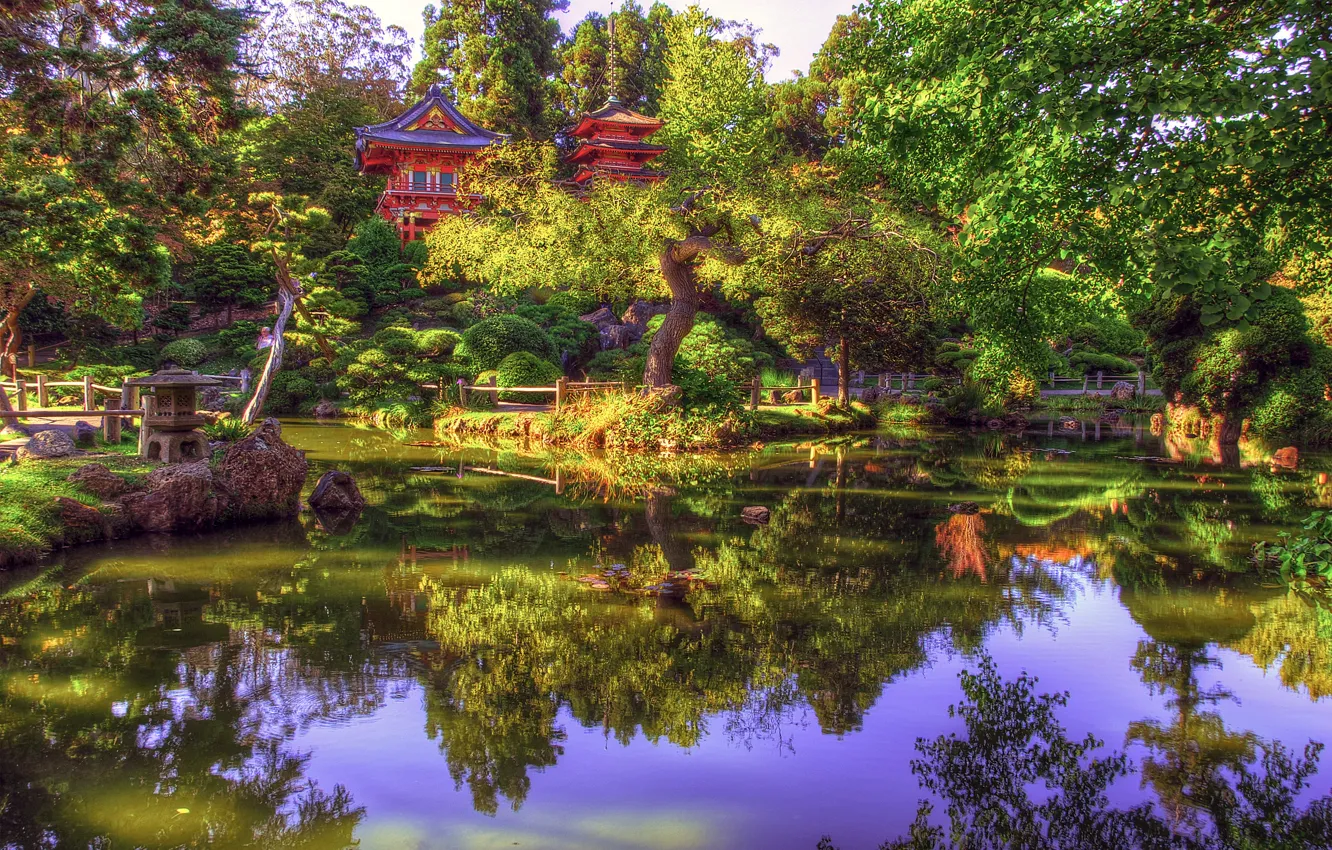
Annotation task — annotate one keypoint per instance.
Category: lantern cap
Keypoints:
(174, 378)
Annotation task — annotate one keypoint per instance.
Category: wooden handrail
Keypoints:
(68, 414)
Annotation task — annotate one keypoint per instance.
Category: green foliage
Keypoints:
(1088, 361)
(289, 391)
(186, 353)
(488, 342)
(494, 60)
(1176, 154)
(1108, 334)
(584, 81)
(1225, 368)
(771, 376)
(239, 337)
(437, 343)
(224, 276)
(1306, 557)
(227, 430)
(522, 369)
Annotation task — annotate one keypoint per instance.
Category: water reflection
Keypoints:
(157, 693)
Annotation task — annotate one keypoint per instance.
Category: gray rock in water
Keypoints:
(47, 444)
(325, 410)
(85, 434)
(755, 514)
(336, 492)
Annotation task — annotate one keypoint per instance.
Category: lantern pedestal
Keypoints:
(172, 437)
(177, 446)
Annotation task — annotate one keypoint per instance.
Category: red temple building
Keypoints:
(421, 152)
(612, 145)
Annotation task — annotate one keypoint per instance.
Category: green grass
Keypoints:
(770, 376)
(1096, 404)
(29, 526)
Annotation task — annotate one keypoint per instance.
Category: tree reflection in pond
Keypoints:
(167, 676)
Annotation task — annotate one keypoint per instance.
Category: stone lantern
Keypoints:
(172, 434)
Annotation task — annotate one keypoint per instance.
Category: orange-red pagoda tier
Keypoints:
(612, 145)
(422, 151)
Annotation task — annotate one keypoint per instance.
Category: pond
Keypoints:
(545, 650)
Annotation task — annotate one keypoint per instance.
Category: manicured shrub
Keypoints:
(186, 353)
(488, 342)
(1087, 361)
(577, 303)
(239, 337)
(289, 391)
(437, 343)
(524, 369)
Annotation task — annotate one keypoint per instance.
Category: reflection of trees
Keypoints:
(205, 703)
(961, 541)
(802, 613)
(1016, 780)
(1299, 635)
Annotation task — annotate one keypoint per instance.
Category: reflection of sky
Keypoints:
(858, 788)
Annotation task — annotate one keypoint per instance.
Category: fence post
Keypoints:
(909, 381)
(111, 425)
(1100, 378)
(245, 382)
(149, 405)
(754, 390)
(32, 355)
(43, 397)
(814, 393)
(1084, 383)
(1142, 383)
(89, 398)
(21, 394)
(1052, 383)
(462, 395)
(494, 381)
(559, 391)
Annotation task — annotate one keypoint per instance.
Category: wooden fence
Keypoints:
(560, 390)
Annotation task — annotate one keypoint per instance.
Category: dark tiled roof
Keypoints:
(395, 131)
(587, 149)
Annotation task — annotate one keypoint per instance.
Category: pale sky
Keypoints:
(797, 27)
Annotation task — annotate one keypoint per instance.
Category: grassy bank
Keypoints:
(635, 422)
(29, 521)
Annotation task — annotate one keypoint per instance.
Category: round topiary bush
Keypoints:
(437, 343)
(488, 342)
(527, 370)
(185, 352)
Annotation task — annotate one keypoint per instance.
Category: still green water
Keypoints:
(599, 652)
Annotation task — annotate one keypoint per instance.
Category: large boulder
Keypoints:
(640, 311)
(99, 481)
(47, 444)
(212, 399)
(80, 523)
(602, 318)
(336, 492)
(755, 514)
(1123, 391)
(260, 477)
(85, 434)
(179, 497)
(325, 410)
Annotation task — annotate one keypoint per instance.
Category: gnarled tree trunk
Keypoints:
(9, 330)
(677, 267)
(256, 405)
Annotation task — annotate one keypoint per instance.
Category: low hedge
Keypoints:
(524, 369)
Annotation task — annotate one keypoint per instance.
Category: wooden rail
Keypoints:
(756, 390)
(110, 418)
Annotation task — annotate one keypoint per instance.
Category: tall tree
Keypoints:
(639, 55)
(1156, 144)
(496, 59)
(113, 115)
(678, 236)
(311, 46)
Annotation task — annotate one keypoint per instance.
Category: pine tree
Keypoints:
(495, 59)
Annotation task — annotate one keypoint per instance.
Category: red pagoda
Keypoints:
(422, 151)
(613, 145)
